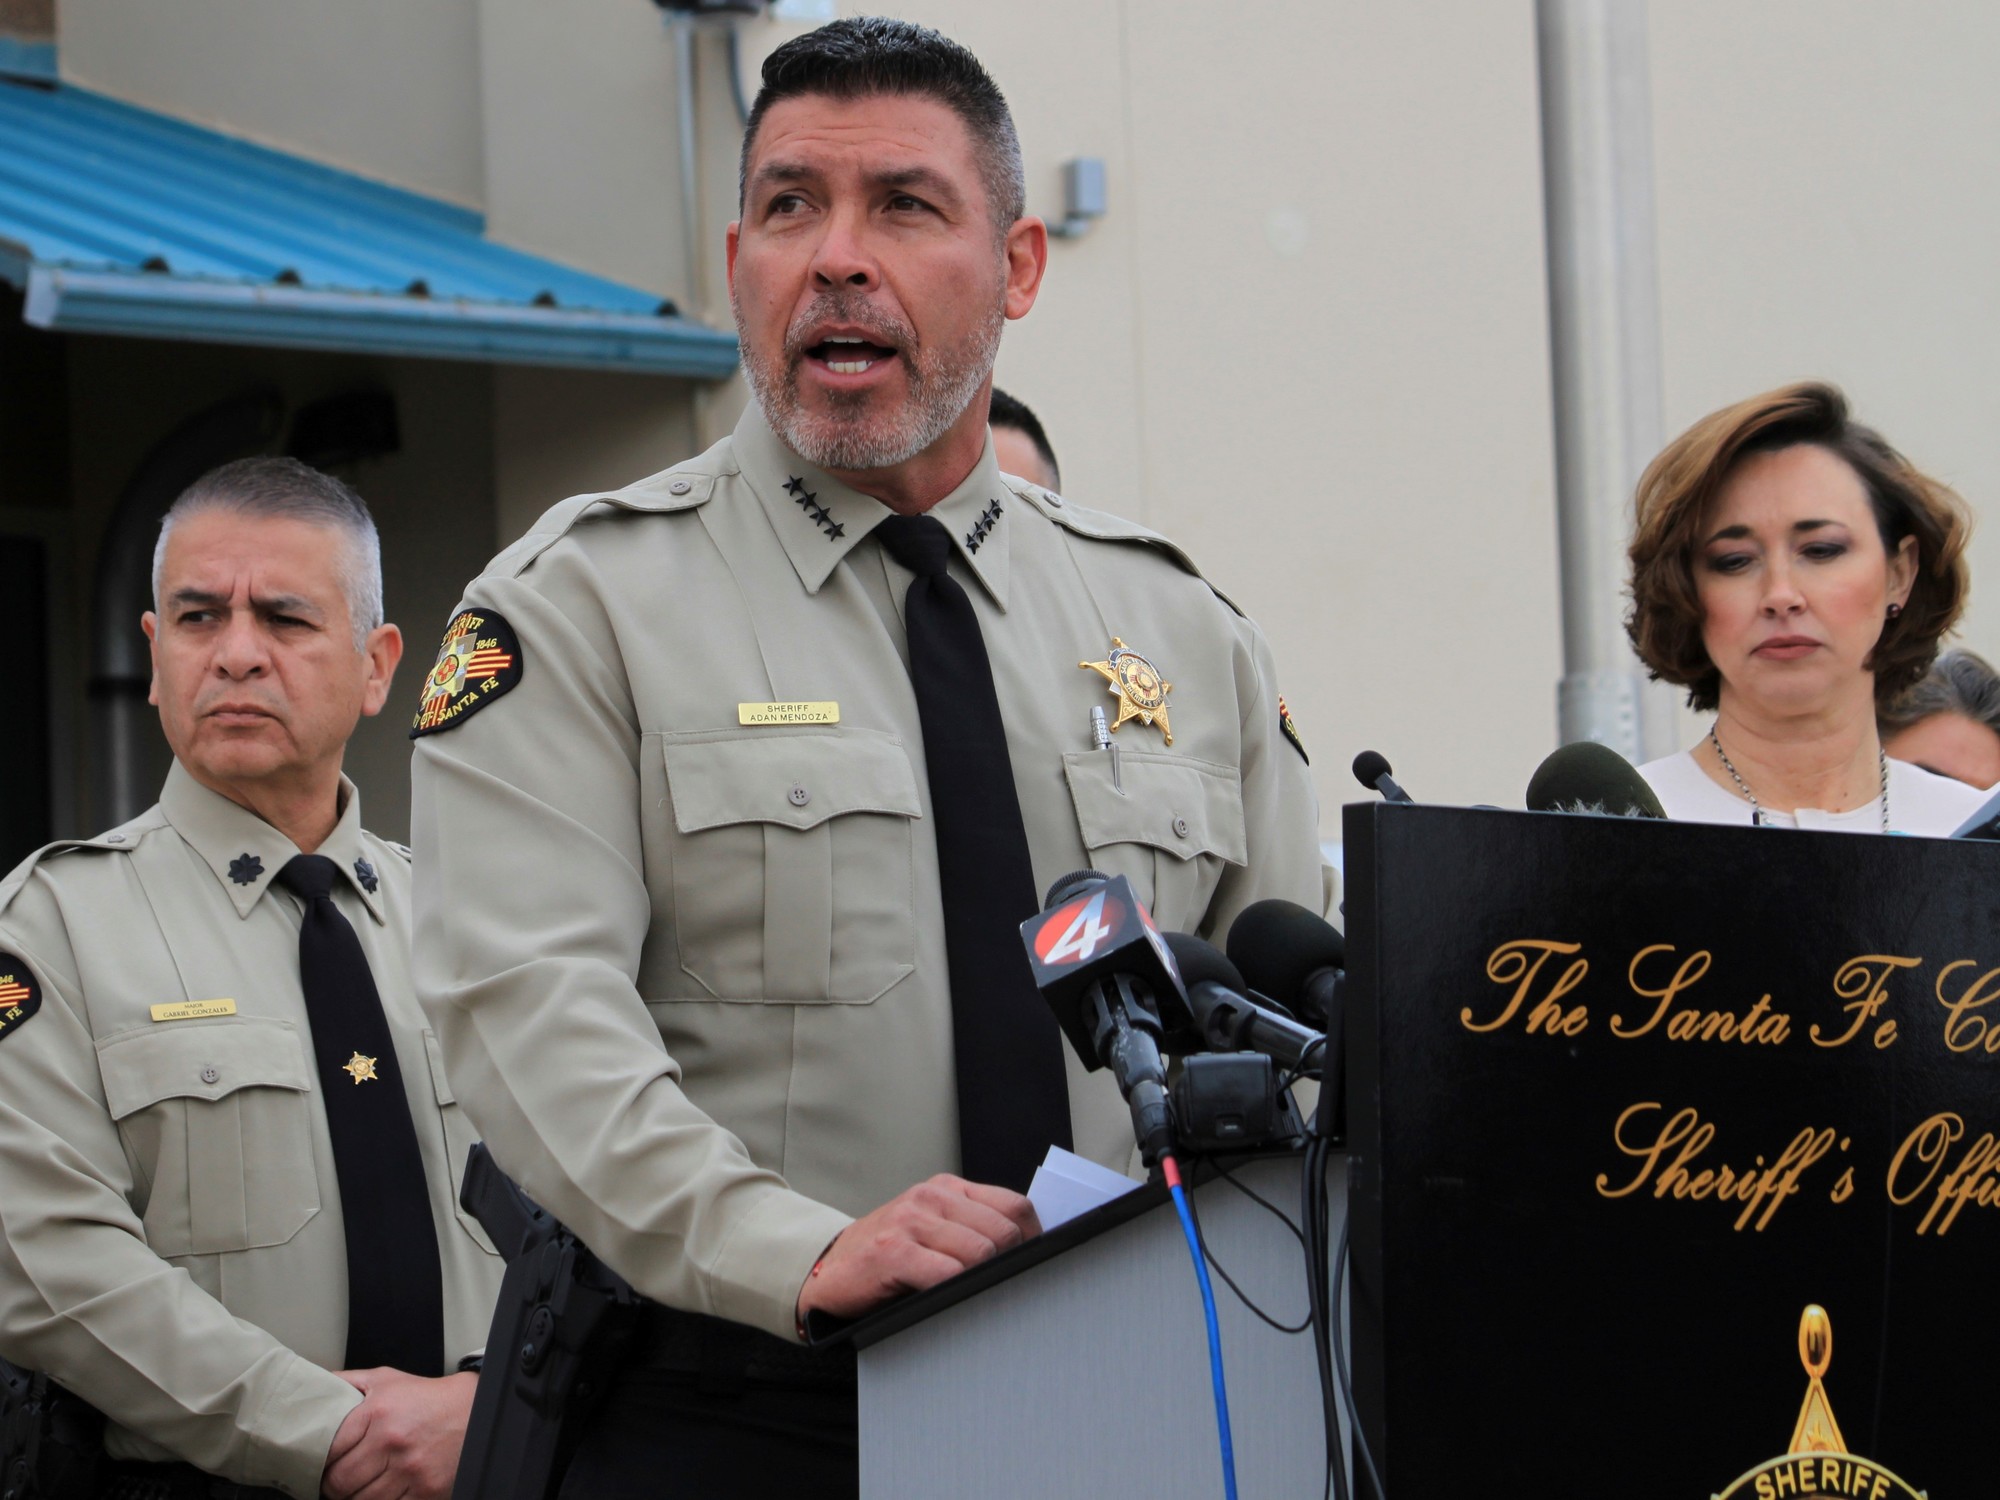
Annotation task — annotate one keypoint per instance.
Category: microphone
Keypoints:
(1109, 977)
(1292, 954)
(1371, 769)
(1228, 1020)
(1587, 777)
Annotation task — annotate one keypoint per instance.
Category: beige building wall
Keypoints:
(1309, 339)
(386, 88)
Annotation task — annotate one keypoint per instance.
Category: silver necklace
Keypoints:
(1757, 808)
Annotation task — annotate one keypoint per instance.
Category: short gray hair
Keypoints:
(285, 489)
(1959, 682)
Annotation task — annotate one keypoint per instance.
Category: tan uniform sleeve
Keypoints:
(1280, 806)
(84, 1298)
(532, 908)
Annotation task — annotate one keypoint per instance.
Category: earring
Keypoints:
(1894, 610)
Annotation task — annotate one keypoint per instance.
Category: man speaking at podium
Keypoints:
(733, 786)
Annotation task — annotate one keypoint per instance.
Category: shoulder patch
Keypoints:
(1291, 730)
(20, 996)
(480, 660)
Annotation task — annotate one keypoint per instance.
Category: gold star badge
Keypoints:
(1136, 684)
(362, 1069)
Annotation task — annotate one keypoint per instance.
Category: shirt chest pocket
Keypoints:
(792, 860)
(1168, 823)
(217, 1115)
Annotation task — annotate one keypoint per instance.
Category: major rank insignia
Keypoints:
(1817, 1463)
(20, 996)
(479, 660)
(1136, 684)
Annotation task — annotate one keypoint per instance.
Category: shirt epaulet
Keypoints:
(682, 487)
(120, 840)
(1102, 526)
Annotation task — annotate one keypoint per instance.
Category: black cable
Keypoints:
(1303, 1067)
(1313, 1214)
(1346, 1373)
(1201, 1238)
(1261, 1201)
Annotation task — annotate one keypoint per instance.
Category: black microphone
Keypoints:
(1371, 769)
(1587, 777)
(1292, 954)
(1108, 975)
(1228, 1020)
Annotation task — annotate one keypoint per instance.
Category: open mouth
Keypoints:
(848, 354)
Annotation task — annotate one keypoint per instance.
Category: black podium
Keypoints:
(1624, 1098)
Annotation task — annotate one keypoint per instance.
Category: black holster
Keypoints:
(563, 1326)
(51, 1442)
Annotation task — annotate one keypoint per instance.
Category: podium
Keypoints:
(1625, 1097)
(1078, 1364)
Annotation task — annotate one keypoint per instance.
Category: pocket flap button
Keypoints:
(800, 796)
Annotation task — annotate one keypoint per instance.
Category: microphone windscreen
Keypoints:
(1280, 944)
(1200, 961)
(1072, 884)
(1590, 777)
(1370, 766)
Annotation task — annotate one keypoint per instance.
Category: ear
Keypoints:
(1027, 252)
(150, 623)
(383, 648)
(730, 239)
(1903, 572)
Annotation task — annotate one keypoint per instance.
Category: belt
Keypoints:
(728, 1356)
(125, 1479)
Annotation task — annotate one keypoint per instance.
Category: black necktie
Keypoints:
(1013, 1101)
(395, 1291)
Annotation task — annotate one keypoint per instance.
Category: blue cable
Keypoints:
(1214, 1330)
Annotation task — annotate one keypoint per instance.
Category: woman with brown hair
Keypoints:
(1793, 571)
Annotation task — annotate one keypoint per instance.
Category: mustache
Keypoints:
(843, 307)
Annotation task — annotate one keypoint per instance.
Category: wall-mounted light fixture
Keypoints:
(1083, 197)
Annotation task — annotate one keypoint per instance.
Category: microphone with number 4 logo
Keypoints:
(1110, 979)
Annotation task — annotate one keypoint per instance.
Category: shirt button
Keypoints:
(1053, 498)
(211, 1074)
(114, 838)
(1180, 828)
(679, 487)
(800, 796)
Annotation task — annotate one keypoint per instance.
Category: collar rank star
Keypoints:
(809, 503)
(361, 1069)
(1137, 685)
(479, 660)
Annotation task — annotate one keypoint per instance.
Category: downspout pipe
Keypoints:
(124, 737)
(1604, 341)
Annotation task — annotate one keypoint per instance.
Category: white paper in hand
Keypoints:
(1066, 1185)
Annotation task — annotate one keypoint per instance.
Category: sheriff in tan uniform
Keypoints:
(175, 1245)
(678, 905)
(172, 1230)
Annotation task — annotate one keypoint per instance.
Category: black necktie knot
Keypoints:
(919, 543)
(309, 875)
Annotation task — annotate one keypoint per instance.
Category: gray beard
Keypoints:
(845, 436)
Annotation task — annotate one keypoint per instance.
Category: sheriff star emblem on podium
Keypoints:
(361, 1069)
(1137, 685)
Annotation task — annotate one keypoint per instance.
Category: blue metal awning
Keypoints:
(115, 219)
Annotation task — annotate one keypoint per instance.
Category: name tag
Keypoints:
(788, 713)
(194, 1010)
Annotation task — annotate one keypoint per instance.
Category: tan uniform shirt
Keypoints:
(171, 1244)
(689, 972)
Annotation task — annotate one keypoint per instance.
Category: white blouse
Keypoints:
(1919, 801)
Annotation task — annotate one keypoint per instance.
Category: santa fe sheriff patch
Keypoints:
(1291, 731)
(479, 660)
(20, 996)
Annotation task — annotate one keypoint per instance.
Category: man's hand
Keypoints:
(402, 1440)
(924, 1235)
